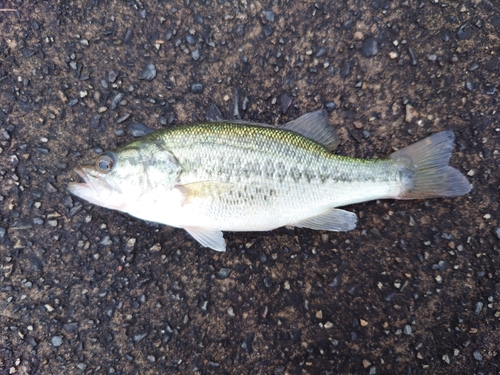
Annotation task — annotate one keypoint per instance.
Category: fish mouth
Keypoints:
(91, 186)
(85, 177)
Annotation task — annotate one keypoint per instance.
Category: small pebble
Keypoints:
(129, 34)
(369, 47)
(330, 106)
(57, 341)
(198, 19)
(414, 60)
(478, 356)
(320, 52)
(407, 330)
(155, 248)
(267, 30)
(81, 366)
(122, 118)
(479, 307)
(492, 64)
(465, 31)
(116, 100)
(345, 69)
(411, 113)
(269, 14)
(148, 73)
(223, 273)
(328, 325)
(240, 30)
(285, 103)
(190, 39)
(196, 88)
(138, 337)
(130, 245)
(112, 75)
(138, 130)
(473, 67)
(246, 345)
(358, 35)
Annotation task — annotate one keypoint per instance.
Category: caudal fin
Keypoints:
(427, 172)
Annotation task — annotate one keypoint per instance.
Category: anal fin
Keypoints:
(334, 220)
(211, 238)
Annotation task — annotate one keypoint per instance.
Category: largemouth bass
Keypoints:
(214, 177)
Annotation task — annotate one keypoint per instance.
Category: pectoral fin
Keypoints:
(335, 220)
(208, 237)
(203, 189)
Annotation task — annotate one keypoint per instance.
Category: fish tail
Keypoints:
(425, 170)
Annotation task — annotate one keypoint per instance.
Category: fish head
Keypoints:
(112, 181)
(128, 178)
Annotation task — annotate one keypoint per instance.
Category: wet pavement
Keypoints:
(415, 289)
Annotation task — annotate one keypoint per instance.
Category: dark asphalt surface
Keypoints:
(415, 289)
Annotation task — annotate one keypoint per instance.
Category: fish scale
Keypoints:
(204, 149)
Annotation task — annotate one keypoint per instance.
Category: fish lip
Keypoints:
(84, 173)
(80, 172)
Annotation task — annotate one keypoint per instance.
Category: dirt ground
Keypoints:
(415, 289)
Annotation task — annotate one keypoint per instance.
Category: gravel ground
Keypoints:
(415, 289)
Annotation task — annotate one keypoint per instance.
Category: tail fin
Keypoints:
(428, 174)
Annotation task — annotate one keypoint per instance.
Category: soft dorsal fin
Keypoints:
(316, 127)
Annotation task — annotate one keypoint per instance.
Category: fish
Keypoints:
(244, 176)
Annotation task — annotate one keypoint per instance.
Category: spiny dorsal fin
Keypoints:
(314, 126)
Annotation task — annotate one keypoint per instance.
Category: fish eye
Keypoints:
(105, 162)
